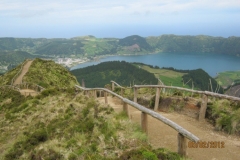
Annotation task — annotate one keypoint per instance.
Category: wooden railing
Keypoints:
(32, 86)
(182, 133)
(205, 95)
(11, 87)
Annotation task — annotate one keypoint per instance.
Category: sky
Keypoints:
(118, 18)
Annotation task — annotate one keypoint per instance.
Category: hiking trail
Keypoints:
(160, 135)
(19, 79)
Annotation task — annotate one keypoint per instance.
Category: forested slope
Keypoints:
(122, 72)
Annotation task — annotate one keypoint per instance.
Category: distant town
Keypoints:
(69, 62)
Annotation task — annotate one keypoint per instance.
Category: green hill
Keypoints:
(61, 124)
(14, 57)
(135, 43)
(48, 74)
(122, 72)
(202, 81)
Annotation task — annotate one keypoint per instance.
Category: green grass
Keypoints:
(227, 78)
(168, 77)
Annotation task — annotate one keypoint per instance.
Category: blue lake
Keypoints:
(211, 63)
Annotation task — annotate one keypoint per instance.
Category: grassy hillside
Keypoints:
(62, 124)
(228, 78)
(168, 77)
(91, 45)
(197, 44)
(202, 81)
(183, 78)
(14, 57)
(48, 74)
(6, 78)
(122, 72)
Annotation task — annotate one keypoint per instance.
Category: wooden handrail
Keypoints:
(156, 115)
(26, 83)
(190, 90)
(11, 86)
(119, 85)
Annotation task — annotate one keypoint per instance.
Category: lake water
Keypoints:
(211, 63)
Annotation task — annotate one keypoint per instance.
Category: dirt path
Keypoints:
(161, 135)
(24, 71)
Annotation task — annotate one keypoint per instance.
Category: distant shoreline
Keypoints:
(110, 55)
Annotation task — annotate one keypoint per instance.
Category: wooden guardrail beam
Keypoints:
(156, 115)
(190, 90)
(182, 133)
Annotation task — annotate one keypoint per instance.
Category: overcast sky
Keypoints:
(112, 18)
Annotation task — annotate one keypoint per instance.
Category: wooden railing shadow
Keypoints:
(183, 134)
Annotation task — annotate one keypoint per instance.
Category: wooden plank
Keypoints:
(182, 145)
(135, 95)
(144, 122)
(157, 99)
(203, 108)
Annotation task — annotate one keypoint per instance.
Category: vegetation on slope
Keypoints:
(167, 76)
(202, 81)
(60, 47)
(183, 78)
(224, 114)
(14, 57)
(122, 72)
(196, 44)
(61, 123)
(228, 78)
(93, 46)
(6, 79)
(49, 74)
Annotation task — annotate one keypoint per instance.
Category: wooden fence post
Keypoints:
(203, 108)
(121, 91)
(182, 145)
(157, 99)
(95, 93)
(105, 95)
(144, 122)
(125, 108)
(135, 95)
(83, 84)
(112, 86)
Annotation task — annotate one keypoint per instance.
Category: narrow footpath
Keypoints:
(161, 135)
(25, 68)
(19, 79)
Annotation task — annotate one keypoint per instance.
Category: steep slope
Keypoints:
(61, 123)
(135, 43)
(202, 81)
(161, 135)
(49, 74)
(25, 69)
(122, 72)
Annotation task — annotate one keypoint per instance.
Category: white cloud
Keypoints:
(82, 12)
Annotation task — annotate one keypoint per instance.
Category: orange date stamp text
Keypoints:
(206, 144)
